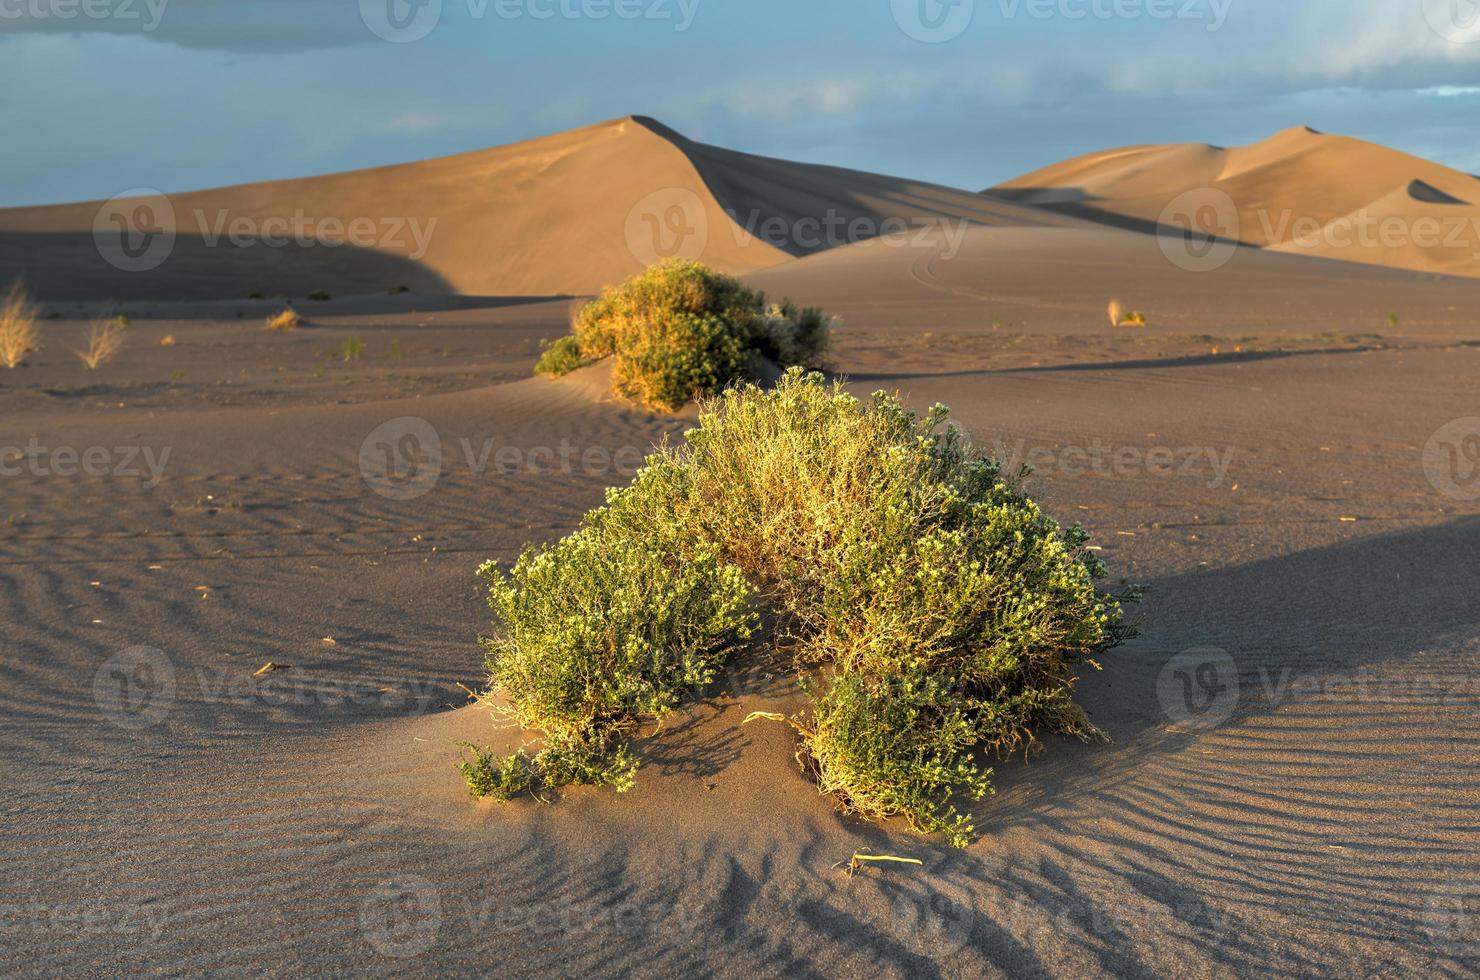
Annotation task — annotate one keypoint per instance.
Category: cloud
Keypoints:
(210, 25)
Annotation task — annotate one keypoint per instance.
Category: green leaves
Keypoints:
(680, 330)
(947, 613)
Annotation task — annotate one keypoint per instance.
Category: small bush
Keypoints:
(602, 631)
(288, 319)
(936, 610)
(20, 334)
(1120, 317)
(320, 296)
(561, 358)
(104, 341)
(680, 330)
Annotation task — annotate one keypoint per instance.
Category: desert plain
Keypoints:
(241, 615)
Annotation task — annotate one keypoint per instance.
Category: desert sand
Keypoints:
(1299, 191)
(1256, 454)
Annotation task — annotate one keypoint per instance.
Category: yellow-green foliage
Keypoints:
(600, 631)
(935, 608)
(287, 319)
(104, 340)
(20, 335)
(680, 330)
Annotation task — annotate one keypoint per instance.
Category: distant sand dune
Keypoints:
(1297, 191)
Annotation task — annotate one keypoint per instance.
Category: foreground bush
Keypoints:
(936, 609)
(600, 631)
(681, 330)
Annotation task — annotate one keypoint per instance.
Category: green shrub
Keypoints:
(681, 330)
(561, 357)
(937, 610)
(602, 631)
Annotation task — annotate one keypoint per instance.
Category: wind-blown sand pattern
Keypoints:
(1257, 453)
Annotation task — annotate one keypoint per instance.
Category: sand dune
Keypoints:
(562, 215)
(1298, 191)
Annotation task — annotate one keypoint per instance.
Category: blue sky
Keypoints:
(108, 95)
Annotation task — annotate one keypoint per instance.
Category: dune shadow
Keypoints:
(61, 266)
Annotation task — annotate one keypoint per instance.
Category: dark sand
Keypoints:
(1261, 463)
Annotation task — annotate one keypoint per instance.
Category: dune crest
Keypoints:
(561, 215)
(1299, 190)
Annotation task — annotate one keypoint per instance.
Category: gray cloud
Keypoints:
(209, 25)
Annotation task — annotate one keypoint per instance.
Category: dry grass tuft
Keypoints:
(104, 341)
(20, 334)
(1121, 317)
(286, 320)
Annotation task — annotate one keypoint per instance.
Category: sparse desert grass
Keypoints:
(287, 319)
(105, 337)
(935, 610)
(351, 349)
(20, 332)
(1121, 317)
(680, 331)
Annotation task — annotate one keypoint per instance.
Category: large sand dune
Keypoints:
(562, 215)
(1298, 191)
